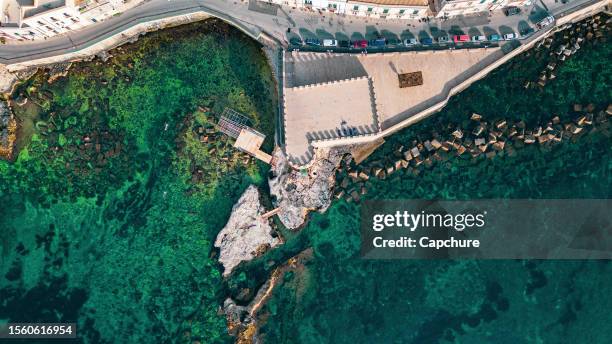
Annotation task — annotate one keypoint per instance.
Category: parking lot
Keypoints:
(312, 25)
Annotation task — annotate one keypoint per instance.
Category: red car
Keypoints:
(461, 38)
(361, 43)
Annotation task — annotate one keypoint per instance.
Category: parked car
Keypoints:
(509, 36)
(545, 22)
(394, 42)
(526, 31)
(330, 43)
(426, 41)
(443, 39)
(494, 38)
(295, 41)
(344, 44)
(410, 42)
(479, 38)
(360, 43)
(379, 42)
(312, 42)
(510, 11)
(461, 38)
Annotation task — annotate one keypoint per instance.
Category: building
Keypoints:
(409, 9)
(41, 19)
(452, 8)
(34, 19)
(333, 6)
(403, 9)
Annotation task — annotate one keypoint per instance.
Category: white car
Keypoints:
(330, 43)
(509, 36)
(410, 42)
(479, 38)
(443, 39)
(545, 22)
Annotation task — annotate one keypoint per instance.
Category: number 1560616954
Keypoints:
(40, 330)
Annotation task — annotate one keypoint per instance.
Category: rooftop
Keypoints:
(407, 3)
(9, 10)
(43, 6)
(250, 141)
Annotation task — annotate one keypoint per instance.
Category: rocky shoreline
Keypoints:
(8, 131)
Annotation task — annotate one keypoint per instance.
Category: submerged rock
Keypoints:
(246, 234)
(237, 317)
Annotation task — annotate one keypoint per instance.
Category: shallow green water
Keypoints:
(108, 215)
(339, 298)
(118, 237)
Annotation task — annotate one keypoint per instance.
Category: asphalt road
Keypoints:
(12, 53)
(301, 22)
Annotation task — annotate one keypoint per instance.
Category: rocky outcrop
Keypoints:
(243, 321)
(299, 191)
(246, 235)
(7, 80)
(238, 317)
(58, 70)
(8, 130)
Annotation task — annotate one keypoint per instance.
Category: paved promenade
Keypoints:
(275, 22)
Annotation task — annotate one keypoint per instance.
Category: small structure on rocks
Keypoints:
(248, 140)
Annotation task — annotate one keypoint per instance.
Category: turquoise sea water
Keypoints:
(108, 214)
(336, 297)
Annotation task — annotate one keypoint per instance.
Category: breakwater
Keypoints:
(480, 140)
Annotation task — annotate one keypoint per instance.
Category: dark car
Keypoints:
(312, 41)
(379, 42)
(394, 42)
(510, 11)
(295, 41)
(360, 43)
(526, 31)
(426, 41)
(344, 44)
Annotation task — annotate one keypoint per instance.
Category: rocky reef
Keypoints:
(244, 321)
(246, 234)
